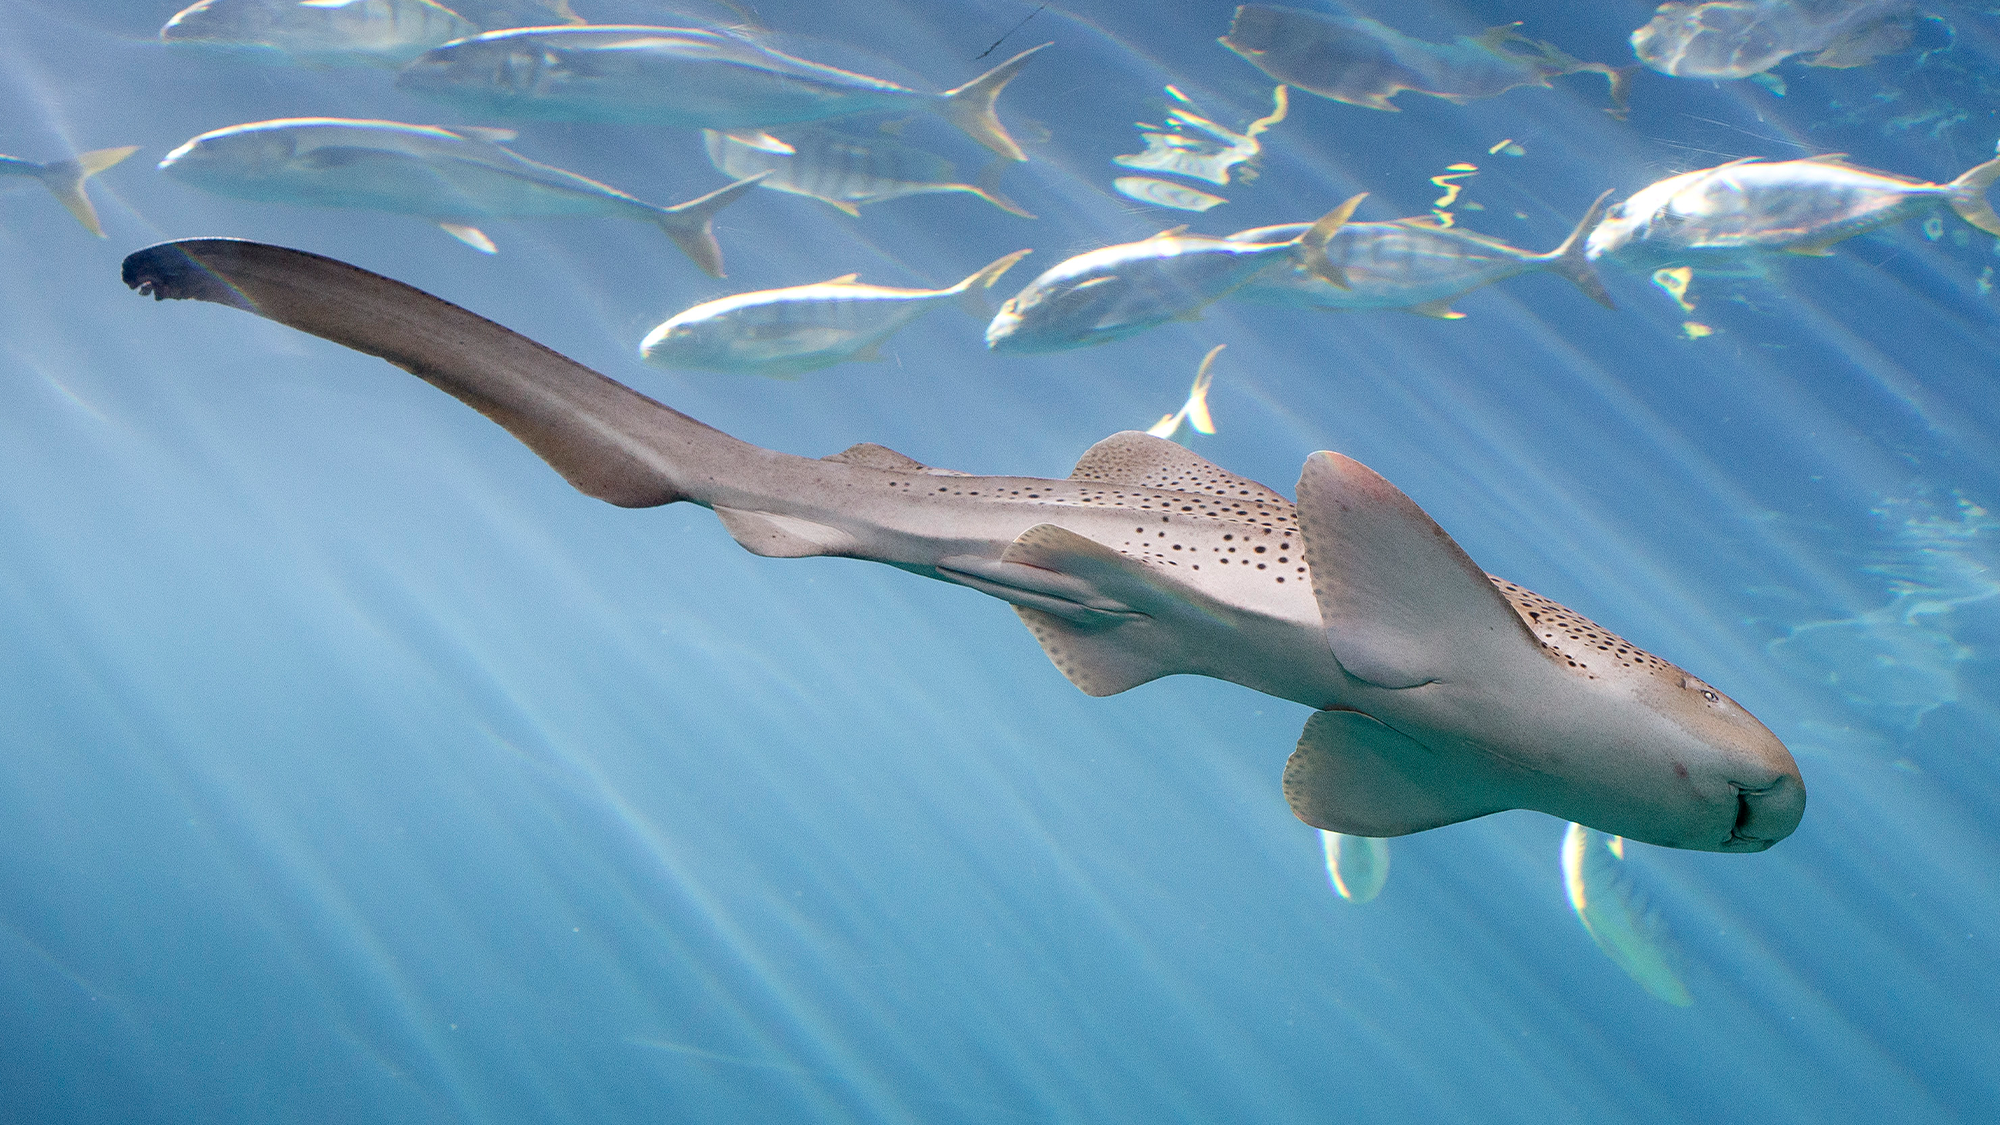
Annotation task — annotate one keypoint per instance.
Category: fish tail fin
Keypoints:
(64, 179)
(970, 107)
(970, 292)
(1568, 260)
(1968, 196)
(1196, 408)
(1620, 78)
(690, 224)
(988, 188)
(1312, 243)
(607, 440)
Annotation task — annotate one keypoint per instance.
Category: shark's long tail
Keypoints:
(608, 440)
(1568, 260)
(1968, 196)
(970, 107)
(691, 224)
(64, 179)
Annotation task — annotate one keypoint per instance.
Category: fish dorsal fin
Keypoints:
(868, 455)
(1139, 458)
(843, 279)
(1402, 603)
(1170, 232)
(1352, 774)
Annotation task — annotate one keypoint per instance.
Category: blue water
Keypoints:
(355, 769)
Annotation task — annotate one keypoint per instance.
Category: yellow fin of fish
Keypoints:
(471, 236)
(1195, 410)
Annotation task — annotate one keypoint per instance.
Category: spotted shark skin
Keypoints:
(1441, 693)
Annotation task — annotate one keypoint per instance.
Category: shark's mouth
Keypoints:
(1765, 815)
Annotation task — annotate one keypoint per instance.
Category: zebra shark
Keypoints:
(1440, 693)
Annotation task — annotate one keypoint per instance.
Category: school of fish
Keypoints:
(771, 118)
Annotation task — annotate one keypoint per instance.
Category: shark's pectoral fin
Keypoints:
(1354, 775)
(1402, 603)
(1133, 457)
(1107, 621)
(777, 536)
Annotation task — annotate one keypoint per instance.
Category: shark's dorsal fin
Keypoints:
(1402, 603)
(1352, 774)
(1134, 457)
(868, 455)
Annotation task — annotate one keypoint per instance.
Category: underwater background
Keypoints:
(356, 769)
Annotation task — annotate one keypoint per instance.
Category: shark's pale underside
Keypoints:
(1442, 693)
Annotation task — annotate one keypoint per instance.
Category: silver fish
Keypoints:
(1739, 38)
(1416, 265)
(1365, 62)
(1442, 693)
(320, 32)
(1164, 193)
(681, 76)
(1114, 292)
(448, 176)
(805, 327)
(841, 169)
(1724, 215)
(64, 179)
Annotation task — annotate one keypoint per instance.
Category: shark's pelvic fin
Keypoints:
(1352, 774)
(1108, 621)
(1134, 457)
(1402, 603)
(777, 536)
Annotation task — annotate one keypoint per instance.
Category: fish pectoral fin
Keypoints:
(1354, 775)
(1439, 310)
(777, 536)
(1402, 603)
(1108, 622)
(1137, 458)
(471, 236)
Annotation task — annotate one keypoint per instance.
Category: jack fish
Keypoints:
(452, 177)
(841, 169)
(1362, 62)
(320, 32)
(64, 179)
(1417, 265)
(1739, 38)
(1115, 292)
(806, 327)
(682, 76)
(1722, 216)
(1441, 693)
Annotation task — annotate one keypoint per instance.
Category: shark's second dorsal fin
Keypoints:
(1134, 457)
(871, 456)
(1402, 603)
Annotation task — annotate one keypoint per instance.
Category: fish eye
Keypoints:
(1710, 695)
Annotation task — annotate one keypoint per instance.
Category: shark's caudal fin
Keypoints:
(608, 440)
(1568, 260)
(1354, 775)
(1402, 603)
(690, 224)
(1968, 196)
(970, 107)
(64, 179)
(971, 291)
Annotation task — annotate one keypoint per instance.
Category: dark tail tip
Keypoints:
(172, 272)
